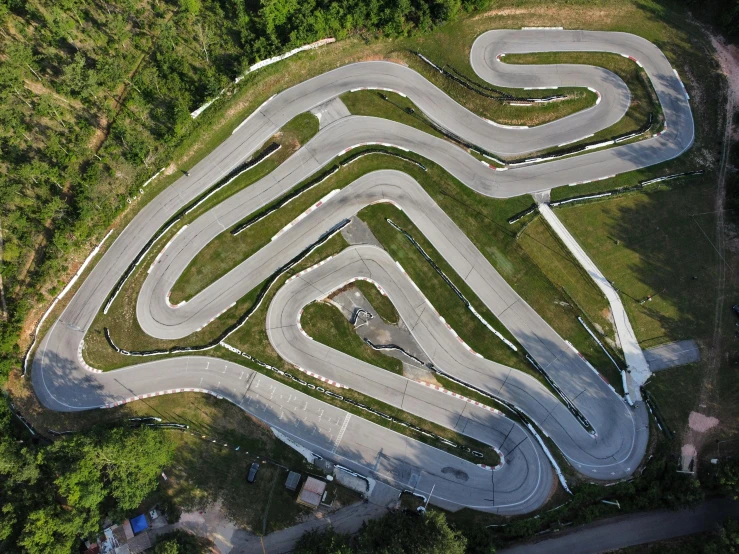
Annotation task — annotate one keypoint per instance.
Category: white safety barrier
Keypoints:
(65, 290)
(262, 64)
(554, 463)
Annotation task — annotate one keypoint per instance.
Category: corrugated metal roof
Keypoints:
(293, 478)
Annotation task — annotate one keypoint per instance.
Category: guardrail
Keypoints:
(624, 190)
(246, 315)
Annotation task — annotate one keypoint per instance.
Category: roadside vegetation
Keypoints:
(204, 467)
(396, 532)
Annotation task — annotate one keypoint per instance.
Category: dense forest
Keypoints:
(52, 496)
(94, 96)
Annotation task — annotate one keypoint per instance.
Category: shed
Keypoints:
(293, 478)
(312, 492)
(139, 524)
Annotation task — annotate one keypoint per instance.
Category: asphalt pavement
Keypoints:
(641, 528)
(63, 382)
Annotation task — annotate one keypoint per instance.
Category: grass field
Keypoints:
(326, 324)
(653, 244)
(381, 303)
(660, 244)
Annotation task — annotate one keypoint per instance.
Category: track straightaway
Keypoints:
(62, 380)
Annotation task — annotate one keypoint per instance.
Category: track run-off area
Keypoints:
(599, 434)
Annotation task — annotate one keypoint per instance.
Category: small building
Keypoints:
(312, 492)
(293, 479)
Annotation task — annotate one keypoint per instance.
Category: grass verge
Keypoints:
(643, 98)
(326, 324)
(381, 303)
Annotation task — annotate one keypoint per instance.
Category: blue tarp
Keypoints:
(139, 524)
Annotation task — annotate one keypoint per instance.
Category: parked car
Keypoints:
(252, 473)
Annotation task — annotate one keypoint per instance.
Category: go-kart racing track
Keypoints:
(610, 449)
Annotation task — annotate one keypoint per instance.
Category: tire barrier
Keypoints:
(586, 146)
(515, 410)
(356, 404)
(222, 182)
(498, 95)
(356, 313)
(577, 413)
(247, 314)
(317, 181)
(659, 419)
(454, 288)
(520, 215)
(670, 177)
(395, 347)
(624, 190)
(599, 343)
(448, 134)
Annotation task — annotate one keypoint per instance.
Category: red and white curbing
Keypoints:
(307, 372)
(174, 305)
(82, 361)
(379, 88)
(576, 351)
(311, 268)
(464, 398)
(597, 101)
(158, 393)
(212, 319)
(305, 214)
(300, 327)
(322, 378)
(161, 253)
(633, 59)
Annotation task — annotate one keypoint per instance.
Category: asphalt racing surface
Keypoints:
(524, 481)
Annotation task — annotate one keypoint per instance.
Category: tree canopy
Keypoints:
(52, 495)
(394, 533)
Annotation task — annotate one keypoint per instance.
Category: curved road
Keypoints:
(523, 483)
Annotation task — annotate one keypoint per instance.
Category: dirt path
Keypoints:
(700, 422)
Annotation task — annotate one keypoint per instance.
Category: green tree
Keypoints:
(408, 533)
(323, 541)
(727, 541)
(182, 542)
(190, 7)
(133, 461)
(724, 477)
(49, 530)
